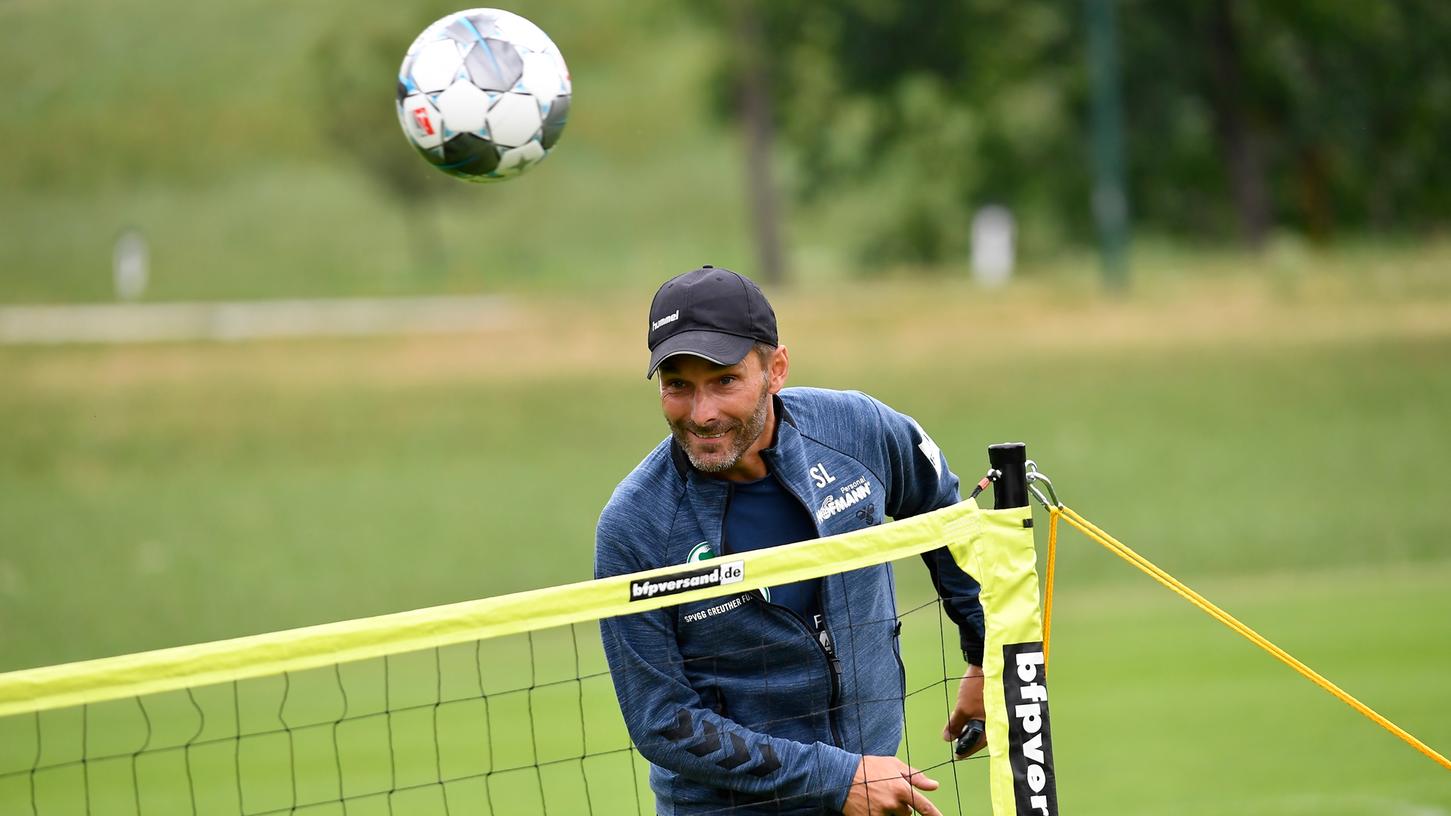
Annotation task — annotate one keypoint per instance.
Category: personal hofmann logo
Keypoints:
(727, 572)
(1030, 743)
(670, 318)
(850, 495)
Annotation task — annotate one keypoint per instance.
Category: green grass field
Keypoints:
(1281, 451)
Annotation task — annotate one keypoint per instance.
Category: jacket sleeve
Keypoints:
(920, 481)
(673, 729)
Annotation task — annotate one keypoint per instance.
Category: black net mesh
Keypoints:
(525, 724)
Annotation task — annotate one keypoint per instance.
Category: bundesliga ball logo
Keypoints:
(483, 94)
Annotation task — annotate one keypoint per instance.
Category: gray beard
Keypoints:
(750, 432)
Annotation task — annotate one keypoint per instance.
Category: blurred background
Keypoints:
(1197, 255)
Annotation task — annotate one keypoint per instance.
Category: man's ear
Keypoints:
(780, 366)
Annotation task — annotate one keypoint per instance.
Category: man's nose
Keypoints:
(703, 410)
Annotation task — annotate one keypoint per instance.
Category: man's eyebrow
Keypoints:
(715, 368)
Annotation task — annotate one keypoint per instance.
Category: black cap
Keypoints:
(709, 312)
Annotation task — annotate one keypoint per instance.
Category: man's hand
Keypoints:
(969, 707)
(886, 786)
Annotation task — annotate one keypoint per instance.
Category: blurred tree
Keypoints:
(746, 90)
(923, 111)
(356, 66)
(1316, 116)
(1241, 117)
(754, 101)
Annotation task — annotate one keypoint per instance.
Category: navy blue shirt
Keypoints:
(764, 514)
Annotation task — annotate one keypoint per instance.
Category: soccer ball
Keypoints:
(483, 94)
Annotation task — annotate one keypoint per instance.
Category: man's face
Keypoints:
(717, 413)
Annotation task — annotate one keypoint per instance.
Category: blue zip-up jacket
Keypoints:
(734, 701)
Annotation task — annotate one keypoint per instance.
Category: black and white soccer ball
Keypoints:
(483, 94)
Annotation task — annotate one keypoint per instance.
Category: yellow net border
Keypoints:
(311, 647)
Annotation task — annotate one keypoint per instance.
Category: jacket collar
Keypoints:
(683, 467)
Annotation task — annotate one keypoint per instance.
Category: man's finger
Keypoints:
(919, 780)
(955, 723)
(922, 806)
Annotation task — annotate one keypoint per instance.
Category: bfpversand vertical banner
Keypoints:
(1030, 739)
(1015, 688)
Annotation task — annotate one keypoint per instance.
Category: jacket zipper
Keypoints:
(833, 664)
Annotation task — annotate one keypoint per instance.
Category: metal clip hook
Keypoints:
(1034, 476)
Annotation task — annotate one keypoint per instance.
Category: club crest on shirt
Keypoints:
(700, 552)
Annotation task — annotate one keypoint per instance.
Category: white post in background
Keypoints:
(130, 261)
(993, 245)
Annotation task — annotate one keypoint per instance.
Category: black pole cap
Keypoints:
(1010, 459)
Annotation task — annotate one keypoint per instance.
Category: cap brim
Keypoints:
(719, 348)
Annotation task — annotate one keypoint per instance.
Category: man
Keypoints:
(785, 700)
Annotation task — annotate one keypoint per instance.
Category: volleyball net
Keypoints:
(507, 705)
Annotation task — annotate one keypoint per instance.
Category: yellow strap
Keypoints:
(1053, 514)
(1119, 549)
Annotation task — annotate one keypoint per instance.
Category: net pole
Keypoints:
(1015, 693)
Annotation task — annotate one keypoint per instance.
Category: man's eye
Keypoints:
(728, 379)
